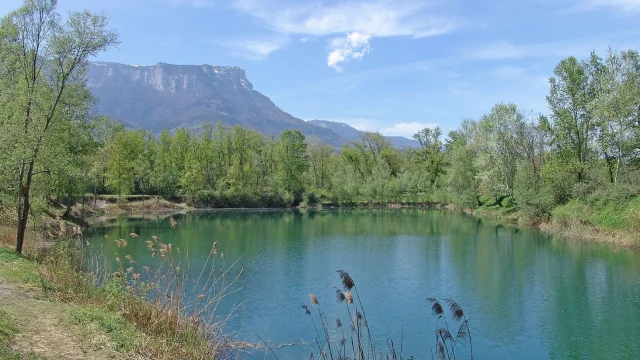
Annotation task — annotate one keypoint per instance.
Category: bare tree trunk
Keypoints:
(609, 167)
(23, 212)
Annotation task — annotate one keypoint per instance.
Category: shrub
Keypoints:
(575, 210)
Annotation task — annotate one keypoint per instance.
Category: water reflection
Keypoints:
(526, 294)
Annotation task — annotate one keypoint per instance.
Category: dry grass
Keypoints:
(154, 299)
(173, 323)
(576, 231)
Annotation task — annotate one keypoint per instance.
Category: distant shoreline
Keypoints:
(571, 231)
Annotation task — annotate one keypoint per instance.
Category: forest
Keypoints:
(579, 158)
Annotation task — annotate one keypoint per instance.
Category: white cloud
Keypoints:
(406, 129)
(305, 21)
(254, 49)
(354, 46)
(416, 18)
(359, 21)
(558, 49)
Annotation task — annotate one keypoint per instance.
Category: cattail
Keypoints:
(313, 299)
(349, 297)
(436, 308)
(133, 235)
(214, 251)
(456, 311)
(440, 350)
(444, 334)
(347, 281)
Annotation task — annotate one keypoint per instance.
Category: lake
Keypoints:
(525, 294)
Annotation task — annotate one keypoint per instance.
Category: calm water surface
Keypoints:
(526, 295)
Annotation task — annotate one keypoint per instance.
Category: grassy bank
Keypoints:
(50, 308)
(608, 217)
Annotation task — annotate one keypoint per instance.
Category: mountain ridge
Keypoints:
(167, 96)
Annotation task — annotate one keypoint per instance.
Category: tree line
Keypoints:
(53, 150)
(590, 141)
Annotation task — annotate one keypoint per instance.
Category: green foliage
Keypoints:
(613, 209)
(292, 160)
(44, 103)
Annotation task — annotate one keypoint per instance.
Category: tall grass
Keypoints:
(177, 311)
(356, 342)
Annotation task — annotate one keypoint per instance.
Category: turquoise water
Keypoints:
(526, 295)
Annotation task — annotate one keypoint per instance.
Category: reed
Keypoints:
(356, 343)
(179, 312)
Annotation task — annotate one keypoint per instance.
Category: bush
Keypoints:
(507, 202)
(574, 210)
(617, 194)
(582, 190)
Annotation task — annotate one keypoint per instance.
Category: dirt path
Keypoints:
(44, 328)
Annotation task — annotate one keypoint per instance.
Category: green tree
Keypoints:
(44, 61)
(430, 155)
(573, 123)
(293, 160)
(124, 152)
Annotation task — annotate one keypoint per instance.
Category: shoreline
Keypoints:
(573, 231)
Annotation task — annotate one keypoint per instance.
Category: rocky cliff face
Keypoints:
(165, 96)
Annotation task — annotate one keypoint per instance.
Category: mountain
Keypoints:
(166, 96)
(349, 134)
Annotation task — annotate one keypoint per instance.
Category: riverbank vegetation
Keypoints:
(133, 311)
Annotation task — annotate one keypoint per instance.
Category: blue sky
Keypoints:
(393, 66)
